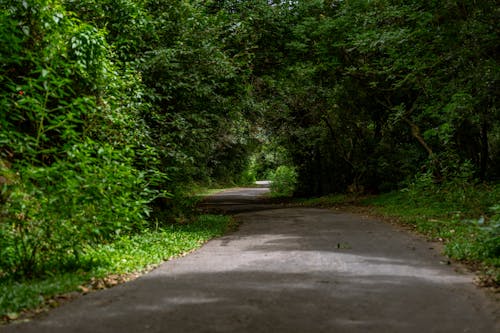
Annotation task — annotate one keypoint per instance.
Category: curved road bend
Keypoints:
(289, 270)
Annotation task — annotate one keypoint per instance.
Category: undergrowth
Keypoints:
(283, 181)
(126, 255)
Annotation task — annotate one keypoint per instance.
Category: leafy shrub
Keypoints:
(248, 177)
(489, 236)
(459, 193)
(283, 181)
(78, 164)
(51, 212)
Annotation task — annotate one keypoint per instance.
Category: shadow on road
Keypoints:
(289, 270)
(284, 272)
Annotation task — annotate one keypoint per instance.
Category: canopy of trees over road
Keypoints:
(110, 107)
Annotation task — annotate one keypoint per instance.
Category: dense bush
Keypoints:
(67, 180)
(283, 181)
(106, 119)
(51, 213)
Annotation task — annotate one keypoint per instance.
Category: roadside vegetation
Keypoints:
(466, 218)
(283, 181)
(106, 265)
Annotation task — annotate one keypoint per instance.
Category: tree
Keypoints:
(371, 92)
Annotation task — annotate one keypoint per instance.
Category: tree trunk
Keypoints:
(415, 131)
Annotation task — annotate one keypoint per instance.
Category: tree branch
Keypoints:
(415, 131)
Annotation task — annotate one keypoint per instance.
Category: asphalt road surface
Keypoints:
(289, 270)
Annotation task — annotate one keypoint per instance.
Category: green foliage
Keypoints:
(248, 177)
(283, 181)
(490, 237)
(71, 176)
(132, 253)
(477, 240)
(44, 112)
(16, 296)
(129, 27)
(88, 51)
(459, 194)
(371, 92)
(52, 212)
(268, 157)
(126, 254)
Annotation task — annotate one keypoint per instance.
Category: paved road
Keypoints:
(289, 270)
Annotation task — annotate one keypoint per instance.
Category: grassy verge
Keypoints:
(466, 220)
(469, 235)
(108, 264)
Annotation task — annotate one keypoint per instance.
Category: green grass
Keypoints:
(203, 192)
(127, 255)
